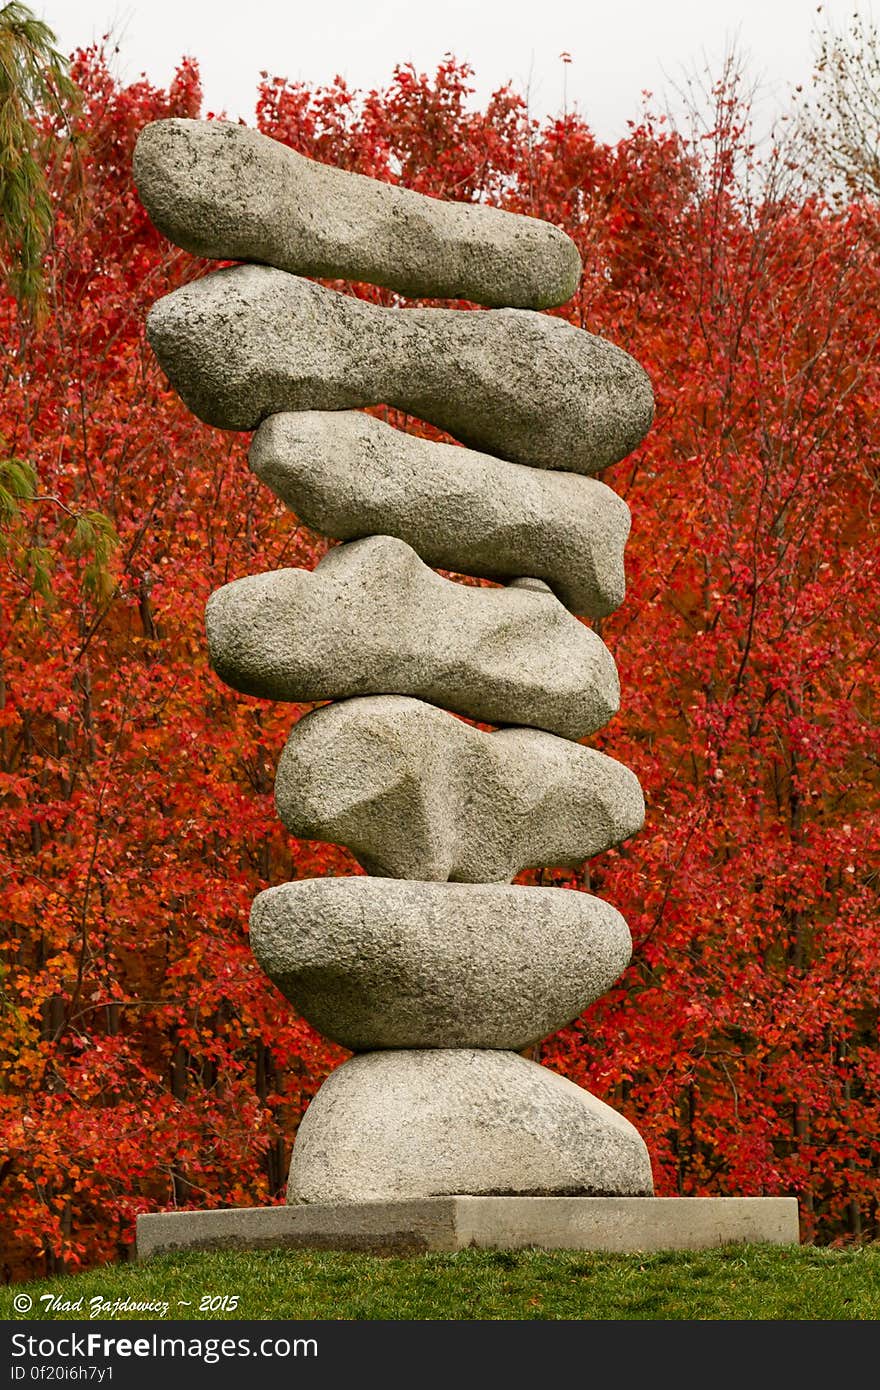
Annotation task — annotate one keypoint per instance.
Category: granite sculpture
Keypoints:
(432, 967)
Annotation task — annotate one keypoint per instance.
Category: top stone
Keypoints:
(229, 193)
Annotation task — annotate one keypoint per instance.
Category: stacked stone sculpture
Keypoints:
(433, 967)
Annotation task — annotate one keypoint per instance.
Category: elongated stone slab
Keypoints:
(387, 1126)
(349, 475)
(415, 793)
(372, 618)
(378, 963)
(623, 1224)
(232, 194)
(250, 341)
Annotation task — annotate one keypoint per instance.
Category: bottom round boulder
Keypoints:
(389, 1126)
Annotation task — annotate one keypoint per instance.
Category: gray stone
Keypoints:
(349, 475)
(249, 341)
(390, 1126)
(379, 963)
(372, 619)
(415, 793)
(232, 194)
(622, 1224)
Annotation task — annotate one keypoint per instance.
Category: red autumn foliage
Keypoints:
(145, 1060)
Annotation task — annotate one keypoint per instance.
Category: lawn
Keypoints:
(735, 1282)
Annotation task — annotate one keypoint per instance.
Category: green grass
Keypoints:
(736, 1282)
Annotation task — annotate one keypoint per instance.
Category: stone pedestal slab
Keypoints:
(622, 1224)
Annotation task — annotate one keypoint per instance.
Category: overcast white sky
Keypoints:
(618, 47)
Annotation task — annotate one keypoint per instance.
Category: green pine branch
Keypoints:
(34, 81)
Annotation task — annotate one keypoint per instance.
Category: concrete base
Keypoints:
(486, 1223)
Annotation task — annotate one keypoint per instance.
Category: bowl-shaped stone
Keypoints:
(386, 963)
